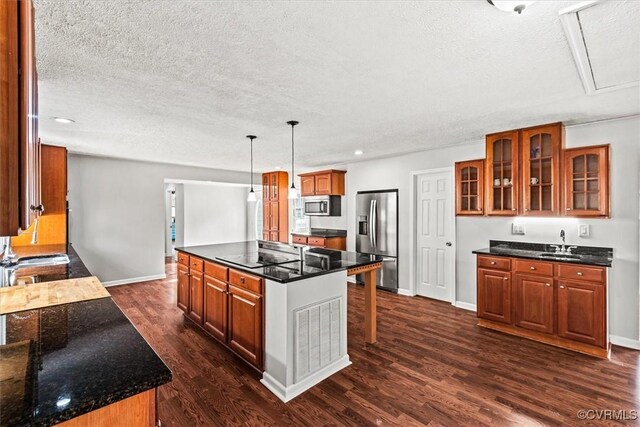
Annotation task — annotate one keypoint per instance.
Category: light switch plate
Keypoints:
(517, 229)
(583, 230)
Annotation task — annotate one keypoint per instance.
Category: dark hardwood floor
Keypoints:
(431, 366)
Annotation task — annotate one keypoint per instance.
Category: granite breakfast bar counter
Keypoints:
(295, 299)
(75, 363)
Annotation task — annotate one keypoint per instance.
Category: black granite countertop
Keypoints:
(321, 232)
(70, 359)
(74, 270)
(317, 261)
(587, 255)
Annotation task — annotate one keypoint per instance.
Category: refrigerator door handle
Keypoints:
(371, 223)
(374, 222)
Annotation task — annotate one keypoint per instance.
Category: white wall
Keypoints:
(214, 214)
(117, 218)
(620, 232)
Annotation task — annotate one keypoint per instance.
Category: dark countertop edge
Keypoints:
(328, 233)
(266, 276)
(110, 399)
(487, 251)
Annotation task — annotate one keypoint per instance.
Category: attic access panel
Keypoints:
(605, 42)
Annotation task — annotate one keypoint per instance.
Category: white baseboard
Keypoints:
(465, 305)
(134, 280)
(351, 279)
(406, 292)
(625, 342)
(287, 393)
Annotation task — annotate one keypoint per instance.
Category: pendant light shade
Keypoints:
(293, 191)
(252, 194)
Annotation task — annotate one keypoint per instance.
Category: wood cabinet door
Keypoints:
(494, 295)
(541, 180)
(196, 296)
(307, 185)
(534, 307)
(501, 173)
(215, 307)
(266, 235)
(246, 325)
(273, 185)
(470, 187)
(265, 186)
(274, 236)
(581, 312)
(323, 184)
(586, 181)
(274, 210)
(183, 288)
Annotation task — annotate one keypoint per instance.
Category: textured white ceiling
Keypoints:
(185, 81)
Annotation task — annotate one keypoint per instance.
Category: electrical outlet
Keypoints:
(517, 229)
(583, 230)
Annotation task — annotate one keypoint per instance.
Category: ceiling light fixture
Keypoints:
(63, 120)
(293, 191)
(358, 152)
(252, 194)
(511, 6)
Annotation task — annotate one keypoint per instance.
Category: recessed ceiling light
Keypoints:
(63, 120)
(278, 168)
(358, 152)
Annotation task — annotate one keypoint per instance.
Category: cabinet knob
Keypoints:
(493, 263)
(532, 268)
(568, 209)
(513, 209)
(579, 273)
(506, 278)
(547, 284)
(526, 209)
(561, 287)
(242, 280)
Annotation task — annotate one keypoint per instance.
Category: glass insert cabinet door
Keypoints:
(587, 181)
(541, 158)
(501, 172)
(470, 187)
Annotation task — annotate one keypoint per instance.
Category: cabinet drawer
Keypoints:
(245, 281)
(534, 267)
(196, 264)
(216, 271)
(299, 239)
(494, 263)
(315, 241)
(183, 259)
(581, 272)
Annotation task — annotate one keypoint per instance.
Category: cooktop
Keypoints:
(257, 259)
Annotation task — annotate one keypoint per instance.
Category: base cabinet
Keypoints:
(534, 303)
(228, 304)
(494, 295)
(581, 310)
(552, 302)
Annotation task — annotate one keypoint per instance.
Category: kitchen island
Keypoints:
(279, 307)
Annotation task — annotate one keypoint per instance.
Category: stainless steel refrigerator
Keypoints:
(377, 233)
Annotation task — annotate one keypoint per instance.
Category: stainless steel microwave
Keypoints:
(322, 205)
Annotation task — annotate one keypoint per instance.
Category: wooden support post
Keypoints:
(370, 306)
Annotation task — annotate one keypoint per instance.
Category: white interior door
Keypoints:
(435, 263)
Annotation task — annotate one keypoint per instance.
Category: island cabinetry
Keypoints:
(275, 206)
(228, 304)
(562, 304)
(322, 183)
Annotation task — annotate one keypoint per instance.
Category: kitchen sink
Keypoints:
(43, 260)
(560, 256)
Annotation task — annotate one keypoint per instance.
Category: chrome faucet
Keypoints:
(563, 249)
(8, 254)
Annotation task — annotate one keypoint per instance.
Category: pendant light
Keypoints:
(252, 194)
(293, 191)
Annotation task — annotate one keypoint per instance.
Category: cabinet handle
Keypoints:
(548, 284)
(506, 278)
(526, 209)
(579, 273)
(242, 280)
(532, 268)
(513, 209)
(561, 287)
(568, 209)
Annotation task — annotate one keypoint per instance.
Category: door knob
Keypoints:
(449, 243)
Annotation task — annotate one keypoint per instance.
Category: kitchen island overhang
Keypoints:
(304, 306)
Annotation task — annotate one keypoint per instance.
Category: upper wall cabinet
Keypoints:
(470, 187)
(19, 144)
(322, 183)
(586, 180)
(501, 175)
(541, 179)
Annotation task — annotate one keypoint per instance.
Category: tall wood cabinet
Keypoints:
(470, 187)
(586, 191)
(275, 206)
(19, 143)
